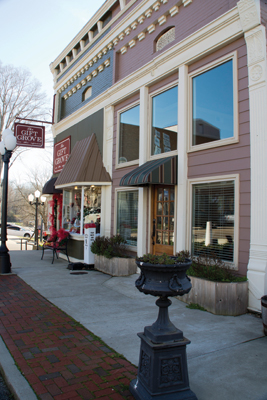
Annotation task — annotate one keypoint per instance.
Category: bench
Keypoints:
(56, 246)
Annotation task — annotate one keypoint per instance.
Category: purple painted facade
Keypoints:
(188, 20)
(221, 160)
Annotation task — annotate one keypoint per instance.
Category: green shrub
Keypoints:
(153, 259)
(164, 259)
(213, 269)
(109, 247)
(223, 251)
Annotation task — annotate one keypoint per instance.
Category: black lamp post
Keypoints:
(7, 145)
(36, 203)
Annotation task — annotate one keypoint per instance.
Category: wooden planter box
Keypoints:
(115, 266)
(221, 298)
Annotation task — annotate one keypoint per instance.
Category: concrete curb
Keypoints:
(15, 381)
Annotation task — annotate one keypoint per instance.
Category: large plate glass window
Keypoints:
(127, 216)
(72, 203)
(213, 104)
(213, 220)
(164, 121)
(129, 135)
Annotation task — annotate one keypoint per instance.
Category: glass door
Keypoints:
(163, 220)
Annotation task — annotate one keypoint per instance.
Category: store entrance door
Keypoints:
(162, 219)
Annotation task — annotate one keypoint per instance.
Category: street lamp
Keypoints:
(7, 145)
(36, 203)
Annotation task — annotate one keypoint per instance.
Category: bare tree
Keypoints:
(20, 96)
(18, 204)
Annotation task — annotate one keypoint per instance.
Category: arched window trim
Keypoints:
(163, 32)
(86, 96)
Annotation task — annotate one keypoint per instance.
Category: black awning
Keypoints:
(49, 187)
(160, 171)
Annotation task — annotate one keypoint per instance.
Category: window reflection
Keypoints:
(165, 216)
(213, 108)
(164, 121)
(129, 135)
(127, 216)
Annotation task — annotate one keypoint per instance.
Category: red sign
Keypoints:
(61, 154)
(30, 135)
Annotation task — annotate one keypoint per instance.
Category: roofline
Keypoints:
(92, 21)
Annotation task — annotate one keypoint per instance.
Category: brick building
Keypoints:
(167, 99)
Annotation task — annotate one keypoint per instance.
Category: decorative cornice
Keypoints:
(83, 82)
(151, 28)
(248, 14)
(183, 52)
(104, 8)
(154, 8)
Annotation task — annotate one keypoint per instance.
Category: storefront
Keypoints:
(81, 181)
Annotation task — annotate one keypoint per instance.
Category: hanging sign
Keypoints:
(61, 154)
(30, 135)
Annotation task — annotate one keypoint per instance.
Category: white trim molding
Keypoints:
(181, 224)
(257, 266)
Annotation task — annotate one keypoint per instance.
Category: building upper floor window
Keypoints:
(166, 38)
(87, 93)
(164, 121)
(213, 105)
(128, 149)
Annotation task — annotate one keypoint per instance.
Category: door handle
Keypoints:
(154, 232)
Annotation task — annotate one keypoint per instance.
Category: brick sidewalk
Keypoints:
(60, 359)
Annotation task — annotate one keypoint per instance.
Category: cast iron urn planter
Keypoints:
(162, 370)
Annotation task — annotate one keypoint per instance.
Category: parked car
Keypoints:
(16, 230)
(229, 219)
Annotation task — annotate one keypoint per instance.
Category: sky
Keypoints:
(33, 33)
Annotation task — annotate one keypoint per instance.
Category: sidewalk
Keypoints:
(62, 360)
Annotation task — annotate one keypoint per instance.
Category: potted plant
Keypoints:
(167, 273)
(111, 256)
(216, 288)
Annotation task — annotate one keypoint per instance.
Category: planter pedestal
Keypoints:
(162, 371)
(264, 313)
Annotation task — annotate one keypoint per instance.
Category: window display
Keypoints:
(81, 206)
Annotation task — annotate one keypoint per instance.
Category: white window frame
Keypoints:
(207, 67)
(149, 127)
(121, 111)
(117, 190)
(224, 178)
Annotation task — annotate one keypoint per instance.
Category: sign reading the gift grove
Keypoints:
(30, 135)
(61, 154)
